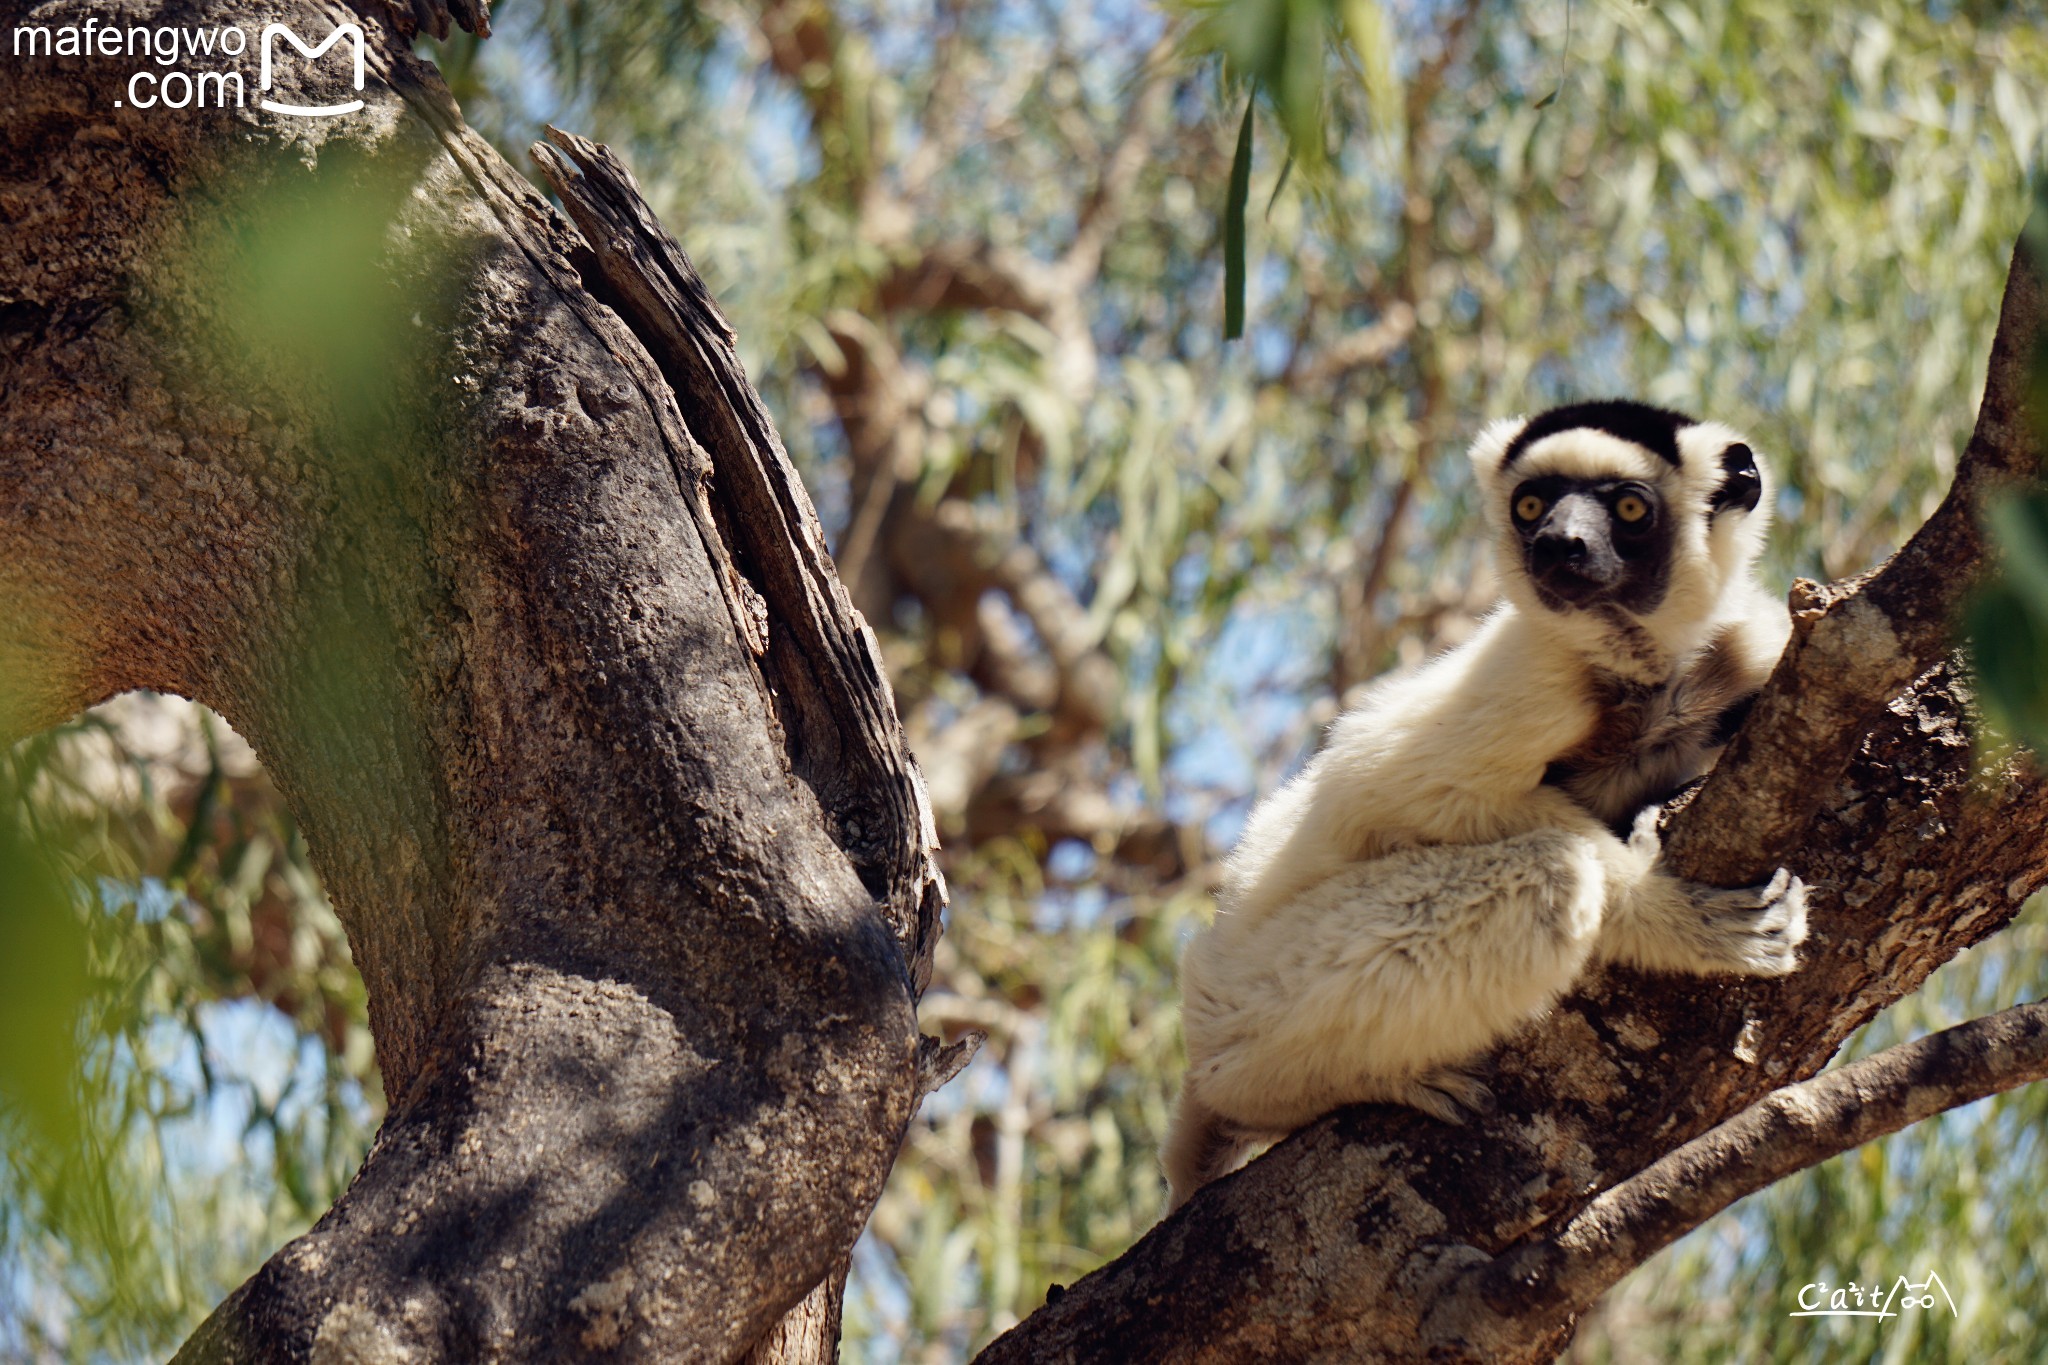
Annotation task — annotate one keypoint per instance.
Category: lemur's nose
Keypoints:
(1573, 541)
(1553, 549)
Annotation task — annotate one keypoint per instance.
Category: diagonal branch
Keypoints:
(1368, 345)
(1857, 644)
(1545, 1282)
(961, 276)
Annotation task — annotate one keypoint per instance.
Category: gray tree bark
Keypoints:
(336, 426)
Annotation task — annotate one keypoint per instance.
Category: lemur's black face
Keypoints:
(1591, 542)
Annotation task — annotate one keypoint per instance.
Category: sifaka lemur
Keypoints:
(1475, 833)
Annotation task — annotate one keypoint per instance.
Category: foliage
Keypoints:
(205, 1132)
(1281, 50)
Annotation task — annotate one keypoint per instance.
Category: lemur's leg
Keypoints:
(1378, 981)
(1200, 1146)
(1658, 922)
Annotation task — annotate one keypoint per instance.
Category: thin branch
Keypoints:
(940, 128)
(1369, 345)
(1103, 211)
(1499, 1304)
(1068, 805)
(1429, 77)
(872, 393)
(960, 276)
(1359, 644)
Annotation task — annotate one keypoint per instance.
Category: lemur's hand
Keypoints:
(1643, 837)
(1753, 930)
(1749, 930)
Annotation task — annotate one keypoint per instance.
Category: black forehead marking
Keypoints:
(1653, 428)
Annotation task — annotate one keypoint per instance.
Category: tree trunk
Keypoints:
(335, 425)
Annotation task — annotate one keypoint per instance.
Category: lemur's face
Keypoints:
(1587, 541)
(1618, 505)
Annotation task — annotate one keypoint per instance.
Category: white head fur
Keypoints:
(1710, 548)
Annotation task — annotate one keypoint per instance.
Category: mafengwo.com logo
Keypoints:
(176, 68)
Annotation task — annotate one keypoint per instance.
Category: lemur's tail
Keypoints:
(1200, 1145)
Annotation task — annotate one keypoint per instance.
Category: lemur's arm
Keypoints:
(1668, 925)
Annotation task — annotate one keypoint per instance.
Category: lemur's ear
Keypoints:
(1492, 445)
(1741, 486)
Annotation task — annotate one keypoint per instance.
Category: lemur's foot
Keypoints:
(1754, 930)
(1449, 1095)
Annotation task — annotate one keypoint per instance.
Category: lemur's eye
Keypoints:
(1528, 507)
(1631, 508)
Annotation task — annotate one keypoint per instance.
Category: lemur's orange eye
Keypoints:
(1528, 507)
(1631, 508)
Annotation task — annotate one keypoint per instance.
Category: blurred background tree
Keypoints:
(1124, 572)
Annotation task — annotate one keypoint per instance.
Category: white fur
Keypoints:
(1712, 564)
(1418, 892)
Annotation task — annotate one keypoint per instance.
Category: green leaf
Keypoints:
(1233, 227)
(43, 979)
(1372, 43)
(1286, 169)
(2007, 621)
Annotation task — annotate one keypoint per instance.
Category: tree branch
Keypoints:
(1368, 345)
(1856, 644)
(830, 690)
(1547, 1281)
(968, 277)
